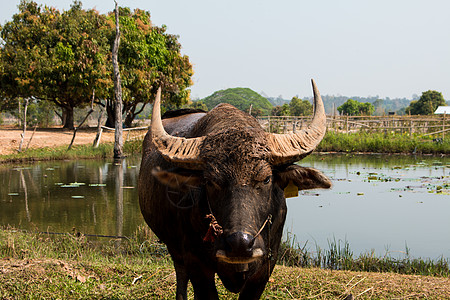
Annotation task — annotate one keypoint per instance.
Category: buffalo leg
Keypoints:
(204, 284)
(252, 291)
(182, 281)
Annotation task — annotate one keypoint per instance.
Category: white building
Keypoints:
(442, 110)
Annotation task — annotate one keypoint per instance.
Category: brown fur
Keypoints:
(237, 184)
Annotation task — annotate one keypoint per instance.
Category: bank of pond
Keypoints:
(334, 142)
(383, 213)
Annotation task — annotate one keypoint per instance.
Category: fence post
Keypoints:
(346, 124)
(410, 126)
(443, 126)
(98, 137)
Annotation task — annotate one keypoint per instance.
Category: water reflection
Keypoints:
(95, 197)
(119, 197)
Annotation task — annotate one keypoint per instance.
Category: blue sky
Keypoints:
(389, 48)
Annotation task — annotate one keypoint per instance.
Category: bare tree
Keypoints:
(118, 136)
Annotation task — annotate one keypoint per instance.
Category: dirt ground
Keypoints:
(49, 137)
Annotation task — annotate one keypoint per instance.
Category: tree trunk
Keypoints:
(110, 113)
(118, 136)
(68, 118)
(132, 113)
(129, 117)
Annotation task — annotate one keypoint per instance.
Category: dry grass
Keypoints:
(56, 278)
(42, 266)
(325, 284)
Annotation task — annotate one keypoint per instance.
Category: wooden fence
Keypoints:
(435, 125)
(135, 133)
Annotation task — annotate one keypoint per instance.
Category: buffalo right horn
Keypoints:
(289, 148)
(180, 150)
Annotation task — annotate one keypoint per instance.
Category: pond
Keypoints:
(385, 203)
(89, 196)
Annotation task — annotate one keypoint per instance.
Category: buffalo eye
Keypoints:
(267, 179)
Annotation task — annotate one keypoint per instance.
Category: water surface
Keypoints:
(90, 196)
(377, 202)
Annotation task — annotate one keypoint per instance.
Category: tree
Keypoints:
(39, 112)
(118, 137)
(23, 52)
(281, 110)
(299, 107)
(54, 56)
(197, 105)
(349, 108)
(354, 108)
(66, 57)
(366, 109)
(427, 104)
(148, 58)
(78, 58)
(379, 107)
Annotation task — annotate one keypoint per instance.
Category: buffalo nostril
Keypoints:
(239, 244)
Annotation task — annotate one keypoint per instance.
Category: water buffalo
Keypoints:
(211, 187)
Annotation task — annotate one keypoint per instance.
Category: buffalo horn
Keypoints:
(175, 149)
(289, 148)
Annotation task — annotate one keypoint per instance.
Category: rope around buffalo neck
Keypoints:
(214, 229)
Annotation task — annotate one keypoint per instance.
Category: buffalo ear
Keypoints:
(303, 178)
(178, 180)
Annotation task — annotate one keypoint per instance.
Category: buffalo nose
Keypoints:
(239, 244)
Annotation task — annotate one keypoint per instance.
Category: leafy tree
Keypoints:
(54, 56)
(366, 109)
(276, 111)
(299, 107)
(197, 105)
(349, 108)
(39, 112)
(241, 98)
(354, 108)
(66, 58)
(77, 61)
(281, 110)
(23, 52)
(427, 104)
(148, 58)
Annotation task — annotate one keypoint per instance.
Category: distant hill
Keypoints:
(278, 101)
(241, 98)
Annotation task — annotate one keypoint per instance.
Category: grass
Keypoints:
(339, 256)
(77, 152)
(37, 265)
(382, 143)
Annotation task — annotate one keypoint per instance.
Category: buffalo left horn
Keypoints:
(174, 149)
(289, 148)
